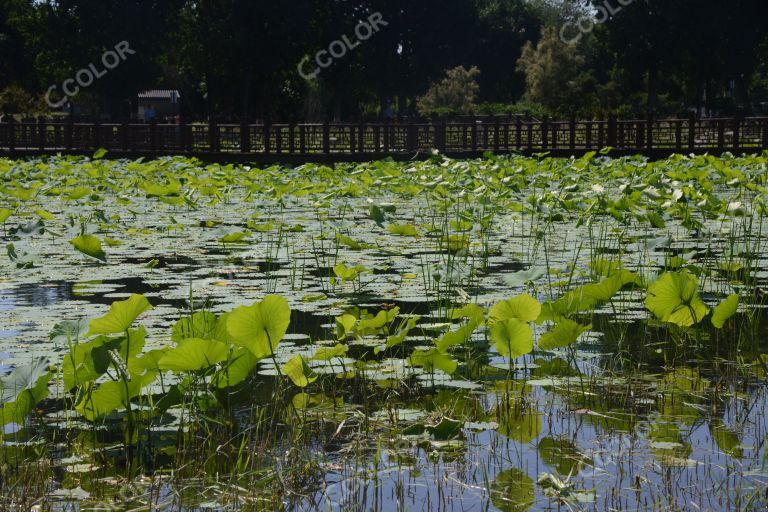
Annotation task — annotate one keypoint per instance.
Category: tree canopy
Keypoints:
(242, 58)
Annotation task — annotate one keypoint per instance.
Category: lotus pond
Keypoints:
(505, 333)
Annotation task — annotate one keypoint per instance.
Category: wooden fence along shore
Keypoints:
(330, 142)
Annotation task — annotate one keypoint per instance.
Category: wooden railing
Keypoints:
(375, 140)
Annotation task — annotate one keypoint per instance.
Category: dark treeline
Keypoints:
(245, 58)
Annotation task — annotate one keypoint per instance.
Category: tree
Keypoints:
(454, 94)
(556, 75)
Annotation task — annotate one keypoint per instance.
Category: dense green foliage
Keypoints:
(240, 58)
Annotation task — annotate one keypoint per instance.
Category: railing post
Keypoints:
(692, 133)
(213, 136)
(473, 134)
(640, 129)
(11, 134)
(679, 134)
(361, 136)
(352, 139)
(588, 138)
(572, 134)
(267, 137)
(649, 137)
(720, 134)
(545, 133)
(737, 133)
(386, 135)
(124, 136)
(765, 135)
(621, 142)
(411, 135)
(376, 138)
(326, 138)
(69, 130)
(600, 135)
(184, 133)
(496, 134)
(245, 137)
(518, 133)
(97, 134)
(612, 131)
(302, 139)
(41, 134)
(278, 139)
(291, 137)
(153, 135)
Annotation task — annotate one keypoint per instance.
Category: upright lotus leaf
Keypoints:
(586, 297)
(432, 360)
(21, 379)
(86, 362)
(345, 325)
(473, 312)
(120, 317)
(108, 398)
(237, 368)
(522, 307)
(145, 367)
(367, 326)
(5, 213)
(513, 491)
(260, 327)
(201, 325)
(90, 246)
(402, 332)
(22, 390)
(68, 331)
(724, 311)
(328, 353)
(610, 286)
(674, 298)
(512, 338)
(299, 372)
(193, 355)
(458, 337)
(565, 333)
(82, 365)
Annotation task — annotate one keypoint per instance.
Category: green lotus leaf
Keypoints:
(522, 307)
(193, 355)
(725, 311)
(22, 390)
(108, 398)
(90, 246)
(299, 372)
(432, 360)
(239, 366)
(326, 353)
(565, 333)
(201, 325)
(120, 317)
(260, 327)
(674, 298)
(458, 337)
(512, 337)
